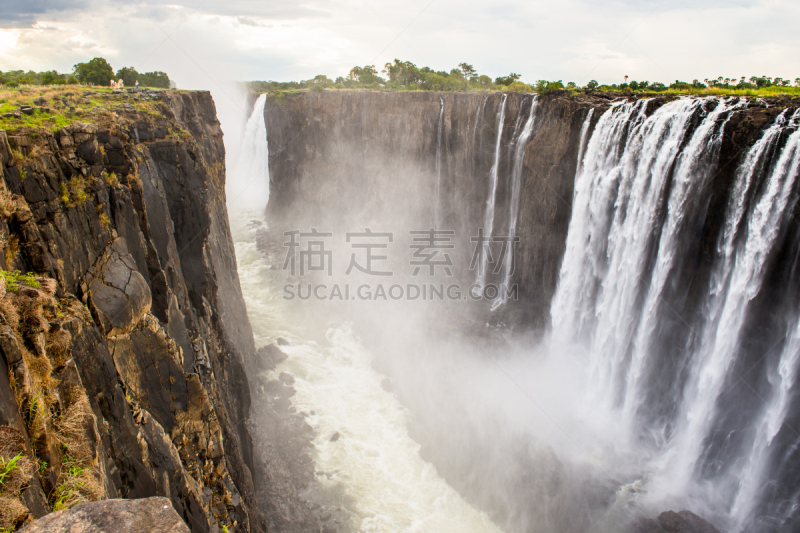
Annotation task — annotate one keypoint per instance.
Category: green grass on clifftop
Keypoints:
(66, 104)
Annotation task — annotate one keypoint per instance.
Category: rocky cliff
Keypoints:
(400, 161)
(123, 333)
(355, 159)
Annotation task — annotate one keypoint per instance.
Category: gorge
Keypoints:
(561, 312)
(649, 361)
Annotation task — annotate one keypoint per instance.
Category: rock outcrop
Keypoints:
(352, 160)
(672, 522)
(143, 325)
(146, 515)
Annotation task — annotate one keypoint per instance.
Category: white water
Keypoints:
(737, 283)
(694, 166)
(376, 461)
(584, 137)
(493, 179)
(475, 146)
(437, 207)
(516, 186)
(639, 183)
(247, 187)
(607, 246)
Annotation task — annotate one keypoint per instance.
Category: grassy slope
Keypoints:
(87, 108)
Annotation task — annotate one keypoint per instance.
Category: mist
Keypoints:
(514, 418)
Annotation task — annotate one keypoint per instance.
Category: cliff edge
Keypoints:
(123, 333)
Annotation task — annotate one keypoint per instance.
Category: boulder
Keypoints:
(147, 515)
(118, 295)
(684, 522)
(671, 522)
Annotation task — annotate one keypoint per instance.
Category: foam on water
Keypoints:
(375, 459)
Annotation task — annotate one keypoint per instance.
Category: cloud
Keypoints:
(200, 44)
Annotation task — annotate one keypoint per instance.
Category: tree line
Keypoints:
(95, 72)
(405, 75)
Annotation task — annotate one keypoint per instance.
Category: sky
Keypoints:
(204, 44)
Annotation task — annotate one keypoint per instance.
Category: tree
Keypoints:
(468, 70)
(484, 81)
(544, 86)
(797, 81)
(592, 85)
(507, 80)
(626, 78)
(97, 71)
(154, 79)
(128, 75)
(403, 72)
(51, 77)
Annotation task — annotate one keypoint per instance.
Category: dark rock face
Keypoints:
(354, 159)
(148, 515)
(672, 522)
(131, 219)
(292, 501)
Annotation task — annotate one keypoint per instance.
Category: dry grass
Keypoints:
(58, 342)
(9, 313)
(18, 470)
(12, 251)
(79, 479)
(76, 485)
(13, 513)
(36, 415)
(12, 444)
(74, 430)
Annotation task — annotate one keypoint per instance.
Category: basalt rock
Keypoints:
(148, 515)
(127, 222)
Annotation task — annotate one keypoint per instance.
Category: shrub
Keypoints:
(545, 87)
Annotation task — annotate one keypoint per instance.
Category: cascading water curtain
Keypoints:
(641, 194)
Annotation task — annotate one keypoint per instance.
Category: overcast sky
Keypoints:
(201, 44)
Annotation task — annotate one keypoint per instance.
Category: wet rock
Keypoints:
(334, 437)
(268, 357)
(286, 378)
(120, 516)
(684, 522)
(672, 522)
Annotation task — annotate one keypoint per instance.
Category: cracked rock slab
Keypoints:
(147, 515)
(118, 294)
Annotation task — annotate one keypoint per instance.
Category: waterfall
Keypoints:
(735, 283)
(437, 207)
(516, 187)
(493, 179)
(249, 186)
(584, 133)
(584, 262)
(695, 164)
(641, 197)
